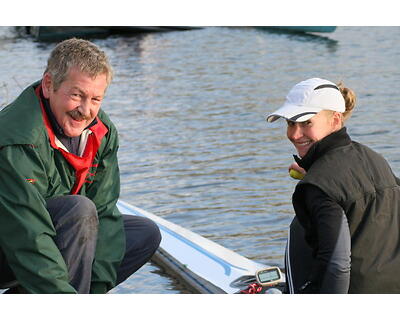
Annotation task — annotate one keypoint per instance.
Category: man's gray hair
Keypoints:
(83, 54)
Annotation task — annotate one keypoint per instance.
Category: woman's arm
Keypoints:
(331, 269)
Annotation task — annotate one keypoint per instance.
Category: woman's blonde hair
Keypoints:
(349, 98)
(83, 54)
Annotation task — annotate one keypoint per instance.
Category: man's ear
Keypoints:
(47, 85)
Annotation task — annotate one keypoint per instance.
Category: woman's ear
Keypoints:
(337, 120)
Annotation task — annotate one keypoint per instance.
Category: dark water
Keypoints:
(190, 108)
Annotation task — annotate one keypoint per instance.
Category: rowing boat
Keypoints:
(203, 265)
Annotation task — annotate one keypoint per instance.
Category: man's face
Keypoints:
(76, 103)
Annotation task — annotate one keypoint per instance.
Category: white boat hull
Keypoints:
(204, 265)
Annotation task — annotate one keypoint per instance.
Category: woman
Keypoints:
(346, 233)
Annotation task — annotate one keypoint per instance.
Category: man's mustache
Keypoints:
(77, 115)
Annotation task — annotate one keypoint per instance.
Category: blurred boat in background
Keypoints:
(300, 29)
(57, 33)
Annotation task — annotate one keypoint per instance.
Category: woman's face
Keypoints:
(304, 134)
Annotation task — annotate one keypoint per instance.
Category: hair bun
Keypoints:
(349, 98)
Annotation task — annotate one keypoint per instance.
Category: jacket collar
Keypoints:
(336, 139)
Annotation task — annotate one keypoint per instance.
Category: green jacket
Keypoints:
(32, 171)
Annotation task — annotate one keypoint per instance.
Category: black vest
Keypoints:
(362, 183)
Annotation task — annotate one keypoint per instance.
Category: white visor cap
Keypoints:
(307, 98)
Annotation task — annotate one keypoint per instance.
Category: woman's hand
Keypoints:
(296, 172)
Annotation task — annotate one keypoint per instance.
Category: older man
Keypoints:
(60, 229)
